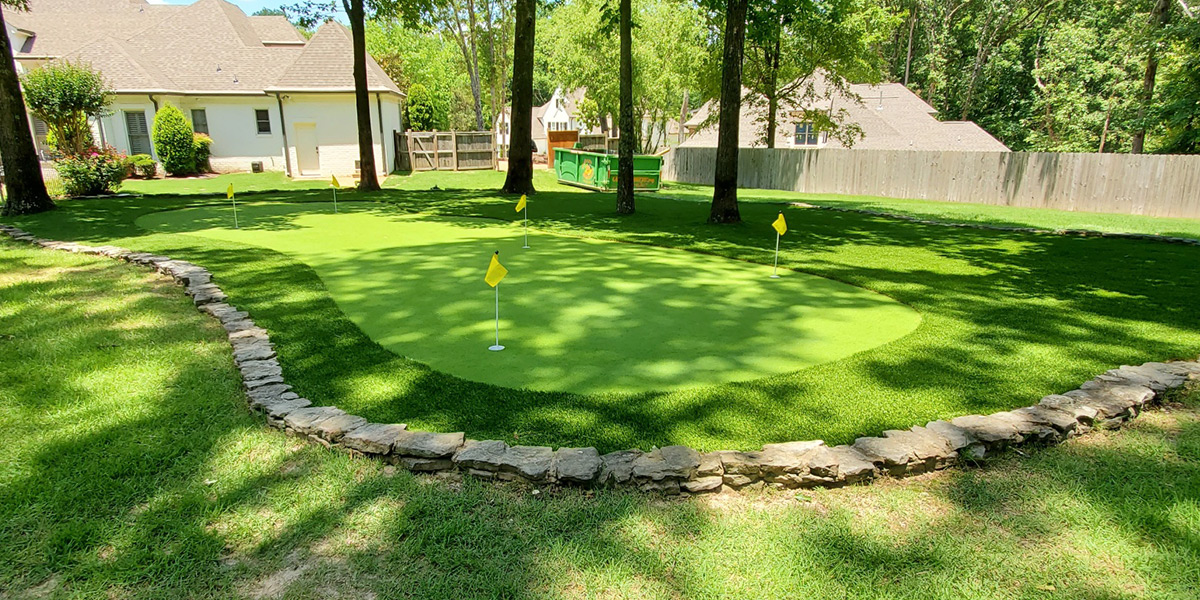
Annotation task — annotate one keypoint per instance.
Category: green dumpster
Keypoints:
(597, 171)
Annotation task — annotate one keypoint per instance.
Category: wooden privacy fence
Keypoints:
(1142, 184)
(445, 150)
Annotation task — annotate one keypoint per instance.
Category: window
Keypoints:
(806, 135)
(263, 119)
(199, 121)
(139, 134)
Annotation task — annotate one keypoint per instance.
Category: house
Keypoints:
(558, 114)
(268, 97)
(890, 115)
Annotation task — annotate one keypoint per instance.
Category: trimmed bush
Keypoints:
(92, 173)
(173, 141)
(202, 148)
(421, 109)
(141, 165)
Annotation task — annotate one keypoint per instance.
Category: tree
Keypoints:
(64, 95)
(519, 179)
(625, 143)
(724, 202)
(22, 171)
(420, 107)
(412, 56)
(308, 14)
(458, 18)
(1159, 16)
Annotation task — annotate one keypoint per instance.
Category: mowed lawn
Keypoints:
(1006, 318)
(131, 468)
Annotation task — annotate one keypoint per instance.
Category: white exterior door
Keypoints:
(308, 157)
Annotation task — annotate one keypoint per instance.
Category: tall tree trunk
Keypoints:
(683, 115)
(520, 155)
(912, 24)
(627, 140)
(26, 192)
(724, 203)
(356, 13)
(1158, 18)
(773, 90)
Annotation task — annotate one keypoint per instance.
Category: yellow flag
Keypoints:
(780, 225)
(229, 192)
(496, 271)
(521, 203)
(335, 182)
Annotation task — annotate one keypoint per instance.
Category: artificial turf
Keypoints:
(1006, 317)
(577, 314)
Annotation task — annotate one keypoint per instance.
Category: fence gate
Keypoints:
(445, 150)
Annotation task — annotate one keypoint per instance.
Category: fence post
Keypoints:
(495, 146)
(412, 159)
(454, 149)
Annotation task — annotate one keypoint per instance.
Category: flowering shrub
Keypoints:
(94, 172)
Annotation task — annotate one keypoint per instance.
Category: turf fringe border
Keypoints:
(1106, 401)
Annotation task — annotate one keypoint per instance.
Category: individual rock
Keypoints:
(679, 462)
(746, 464)
(413, 463)
(253, 351)
(1075, 407)
(931, 449)
(486, 455)
(960, 440)
(531, 462)
(250, 335)
(253, 384)
(303, 419)
(1113, 401)
(1030, 428)
(425, 444)
(737, 481)
(337, 426)
(992, 432)
(207, 293)
(238, 325)
(577, 465)
(710, 483)
(790, 458)
(891, 455)
(259, 369)
(268, 393)
(668, 487)
(373, 438)
(710, 464)
(822, 465)
(1062, 421)
(617, 467)
(284, 405)
(853, 466)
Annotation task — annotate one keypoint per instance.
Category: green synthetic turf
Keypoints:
(577, 315)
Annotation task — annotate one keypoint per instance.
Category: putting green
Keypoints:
(577, 315)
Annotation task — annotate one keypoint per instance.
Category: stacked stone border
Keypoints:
(1108, 400)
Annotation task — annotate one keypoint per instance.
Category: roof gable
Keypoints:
(326, 63)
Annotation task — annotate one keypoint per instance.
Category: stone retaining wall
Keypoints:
(1105, 401)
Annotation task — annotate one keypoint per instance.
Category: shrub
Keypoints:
(141, 165)
(173, 140)
(92, 173)
(63, 95)
(202, 148)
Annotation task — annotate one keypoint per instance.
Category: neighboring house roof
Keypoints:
(538, 130)
(890, 115)
(210, 46)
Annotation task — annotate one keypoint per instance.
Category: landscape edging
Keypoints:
(1107, 400)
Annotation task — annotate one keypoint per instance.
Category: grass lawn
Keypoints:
(961, 212)
(1005, 318)
(131, 469)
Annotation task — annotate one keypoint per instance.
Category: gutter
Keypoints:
(287, 154)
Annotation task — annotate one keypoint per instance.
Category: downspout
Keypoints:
(382, 142)
(153, 152)
(287, 155)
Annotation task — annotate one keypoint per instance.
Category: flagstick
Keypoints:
(335, 201)
(497, 347)
(775, 271)
(526, 227)
(235, 220)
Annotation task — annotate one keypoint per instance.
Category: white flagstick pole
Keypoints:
(526, 226)
(335, 201)
(775, 270)
(235, 220)
(497, 347)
